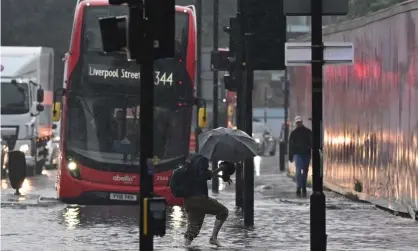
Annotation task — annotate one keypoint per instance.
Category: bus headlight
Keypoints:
(74, 170)
(24, 148)
(72, 166)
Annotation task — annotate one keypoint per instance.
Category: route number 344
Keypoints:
(163, 78)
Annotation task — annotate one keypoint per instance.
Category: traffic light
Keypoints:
(124, 34)
(224, 60)
(230, 59)
(266, 21)
(236, 52)
(114, 33)
(220, 60)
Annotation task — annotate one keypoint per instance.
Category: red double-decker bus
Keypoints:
(100, 112)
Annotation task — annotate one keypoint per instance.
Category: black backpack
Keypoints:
(183, 179)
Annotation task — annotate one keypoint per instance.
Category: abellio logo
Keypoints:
(125, 178)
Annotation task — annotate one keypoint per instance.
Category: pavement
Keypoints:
(281, 221)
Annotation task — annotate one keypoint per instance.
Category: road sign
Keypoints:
(303, 7)
(298, 54)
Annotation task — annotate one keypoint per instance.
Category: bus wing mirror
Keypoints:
(203, 117)
(56, 112)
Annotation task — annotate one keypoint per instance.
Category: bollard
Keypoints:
(282, 152)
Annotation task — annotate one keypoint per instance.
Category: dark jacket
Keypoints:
(300, 142)
(200, 166)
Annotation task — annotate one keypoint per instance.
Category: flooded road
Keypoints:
(282, 221)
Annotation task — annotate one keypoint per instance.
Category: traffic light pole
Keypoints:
(146, 127)
(286, 111)
(317, 199)
(248, 121)
(239, 179)
(215, 180)
(239, 182)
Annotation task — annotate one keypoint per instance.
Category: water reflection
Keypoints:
(75, 216)
(257, 165)
(72, 217)
(26, 187)
(4, 184)
(177, 218)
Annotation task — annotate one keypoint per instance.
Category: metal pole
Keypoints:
(215, 180)
(265, 104)
(198, 5)
(239, 179)
(286, 111)
(284, 144)
(238, 185)
(317, 199)
(248, 119)
(146, 129)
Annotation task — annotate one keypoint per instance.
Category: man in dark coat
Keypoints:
(300, 145)
(198, 204)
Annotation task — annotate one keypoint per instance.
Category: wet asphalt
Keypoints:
(36, 221)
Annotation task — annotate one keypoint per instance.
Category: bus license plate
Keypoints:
(123, 196)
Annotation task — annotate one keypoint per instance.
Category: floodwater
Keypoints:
(281, 221)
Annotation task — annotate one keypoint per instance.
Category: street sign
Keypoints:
(298, 54)
(303, 7)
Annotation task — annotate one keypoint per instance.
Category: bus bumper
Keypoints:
(73, 191)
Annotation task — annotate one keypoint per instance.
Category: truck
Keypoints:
(27, 76)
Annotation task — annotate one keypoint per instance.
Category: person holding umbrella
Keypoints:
(229, 145)
(198, 203)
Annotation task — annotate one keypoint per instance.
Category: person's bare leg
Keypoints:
(221, 213)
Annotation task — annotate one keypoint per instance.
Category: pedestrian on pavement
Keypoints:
(198, 203)
(300, 145)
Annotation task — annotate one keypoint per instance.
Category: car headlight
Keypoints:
(57, 138)
(24, 148)
(257, 140)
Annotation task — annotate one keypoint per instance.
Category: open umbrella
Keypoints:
(227, 144)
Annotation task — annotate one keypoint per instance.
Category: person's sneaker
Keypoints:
(298, 192)
(214, 242)
(187, 242)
